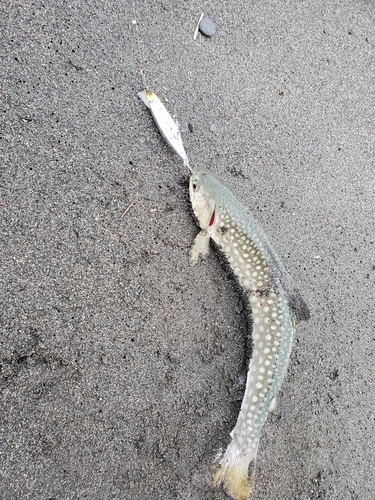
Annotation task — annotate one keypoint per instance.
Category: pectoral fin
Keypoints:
(200, 247)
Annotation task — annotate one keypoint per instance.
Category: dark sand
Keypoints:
(122, 365)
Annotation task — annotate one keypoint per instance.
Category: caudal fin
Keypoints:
(233, 474)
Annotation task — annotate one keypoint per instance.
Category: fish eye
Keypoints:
(195, 186)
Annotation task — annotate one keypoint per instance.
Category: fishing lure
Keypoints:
(165, 123)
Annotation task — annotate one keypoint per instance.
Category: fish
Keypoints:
(276, 307)
(165, 123)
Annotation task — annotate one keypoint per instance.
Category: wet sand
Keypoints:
(122, 366)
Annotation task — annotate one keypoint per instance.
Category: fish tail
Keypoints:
(233, 474)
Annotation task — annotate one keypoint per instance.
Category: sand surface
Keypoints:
(122, 366)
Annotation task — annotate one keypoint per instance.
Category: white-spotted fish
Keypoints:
(276, 306)
(165, 123)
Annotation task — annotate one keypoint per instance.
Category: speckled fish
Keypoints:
(165, 123)
(276, 306)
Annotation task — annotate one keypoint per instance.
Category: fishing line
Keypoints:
(140, 51)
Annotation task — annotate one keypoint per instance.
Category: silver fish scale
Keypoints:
(248, 252)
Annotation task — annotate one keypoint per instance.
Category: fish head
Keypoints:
(203, 196)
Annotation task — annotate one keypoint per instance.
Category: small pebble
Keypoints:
(207, 27)
(212, 128)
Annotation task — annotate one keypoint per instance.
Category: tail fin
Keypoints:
(233, 475)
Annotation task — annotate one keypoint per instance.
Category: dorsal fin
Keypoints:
(279, 274)
(298, 306)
